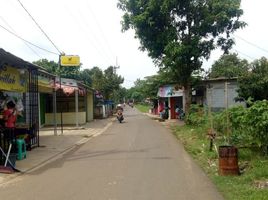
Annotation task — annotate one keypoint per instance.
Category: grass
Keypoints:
(143, 108)
(244, 186)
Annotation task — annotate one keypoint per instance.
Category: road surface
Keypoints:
(136, 160)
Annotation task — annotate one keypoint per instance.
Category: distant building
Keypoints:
(221, 93)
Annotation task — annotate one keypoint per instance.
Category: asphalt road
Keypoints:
(136, 160)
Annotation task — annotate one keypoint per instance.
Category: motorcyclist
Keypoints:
(119, 115)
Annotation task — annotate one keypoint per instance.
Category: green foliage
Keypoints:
(232, 187)
(86, 75)
(119, 95)
(53, 67)
(107, 81)
(111, 82)
(247, 125)
(254, 83)
(257, 120)
(236, 126)
(196, 116)
(143, 107)
(180, 34)
(229, 65)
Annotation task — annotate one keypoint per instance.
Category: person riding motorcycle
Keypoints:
(119, 115)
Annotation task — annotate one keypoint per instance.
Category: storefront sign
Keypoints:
(71, 61)
(12, 79)
(45, 85)
(170, 91)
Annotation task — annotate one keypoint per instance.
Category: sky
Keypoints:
(92, 30)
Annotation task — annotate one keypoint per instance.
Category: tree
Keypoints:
(53, 67)
(254, 83)
(107, 81)
(112, 82)
(229, 66)
(119, 95)
(180, 34)
(86, 76)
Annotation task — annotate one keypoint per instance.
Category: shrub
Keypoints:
(196, 116)
(247, 125)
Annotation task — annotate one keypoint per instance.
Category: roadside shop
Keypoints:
(19, 84)
(74, 103)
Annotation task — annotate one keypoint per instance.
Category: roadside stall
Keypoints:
(18, 84)
(170, 97)
(71, 103)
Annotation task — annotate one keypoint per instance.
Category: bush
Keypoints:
(196, 116)
(247, 125)
(257, 122)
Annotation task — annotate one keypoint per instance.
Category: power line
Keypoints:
(39, 27)
(88, 26)
(244, 54)
(252, 44)
(98, 24)
(83, 29)
(27, 41)
(23, 41)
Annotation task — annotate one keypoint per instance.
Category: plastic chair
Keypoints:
(21, 146)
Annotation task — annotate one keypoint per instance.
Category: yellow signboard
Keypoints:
(11, 79)
(71, 61)
(45, 85)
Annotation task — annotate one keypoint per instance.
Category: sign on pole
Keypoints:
(70, 61)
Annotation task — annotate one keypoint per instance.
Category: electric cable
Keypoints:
(39, 27)
(27, 41)
(99, 27)
(239, 52)
(252, 44)
(81, 27)
(23, 41)
(94, 35)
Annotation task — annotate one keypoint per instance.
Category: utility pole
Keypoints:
(227, 114)
(116, 65)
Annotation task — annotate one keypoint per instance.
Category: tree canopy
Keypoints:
(53, 67)
(229, 66)
(254, 83)
(107, 81)
(180, 34)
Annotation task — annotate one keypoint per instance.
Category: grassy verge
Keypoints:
(247, 185)
(143, 108)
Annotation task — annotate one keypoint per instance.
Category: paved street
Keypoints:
(136, 160)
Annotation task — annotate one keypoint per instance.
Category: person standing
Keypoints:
(10, 115)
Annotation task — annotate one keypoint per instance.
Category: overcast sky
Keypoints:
(92, 30)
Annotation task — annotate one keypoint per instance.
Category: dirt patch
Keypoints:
(261, 184)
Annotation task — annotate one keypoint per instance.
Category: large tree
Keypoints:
(254, 83)
(229, 65)
(180, 34)
(112, 82)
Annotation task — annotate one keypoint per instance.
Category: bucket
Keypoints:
(228, 160)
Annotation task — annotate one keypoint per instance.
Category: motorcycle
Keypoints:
(120, 117)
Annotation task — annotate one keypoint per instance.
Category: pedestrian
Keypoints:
(10, 115)
(177, 112)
